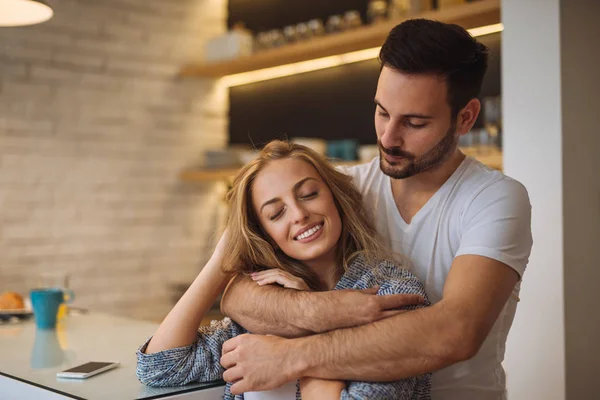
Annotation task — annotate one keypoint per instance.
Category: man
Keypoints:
(462, 228)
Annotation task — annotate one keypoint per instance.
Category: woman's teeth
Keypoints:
(309, 232)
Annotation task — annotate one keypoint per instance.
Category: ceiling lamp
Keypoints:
(24, 12)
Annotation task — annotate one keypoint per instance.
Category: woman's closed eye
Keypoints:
(309, 196)
(276, 215)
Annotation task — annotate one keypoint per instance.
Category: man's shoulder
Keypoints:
(364, 175)
(479, 180)
(484, 188)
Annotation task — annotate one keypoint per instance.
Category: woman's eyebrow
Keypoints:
(302, 182)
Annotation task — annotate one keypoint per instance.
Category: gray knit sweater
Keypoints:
(199, 362)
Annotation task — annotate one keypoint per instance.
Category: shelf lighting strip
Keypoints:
(280, 71)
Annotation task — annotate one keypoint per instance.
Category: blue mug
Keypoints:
(45, 304)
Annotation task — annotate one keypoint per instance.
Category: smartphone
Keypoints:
(86, 370)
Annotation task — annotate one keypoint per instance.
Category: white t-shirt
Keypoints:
(476, 211)
(287, 391)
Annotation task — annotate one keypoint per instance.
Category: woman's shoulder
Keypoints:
(363, 273)
(385, 273)
(360, 264)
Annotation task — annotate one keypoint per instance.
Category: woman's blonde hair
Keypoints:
(250, 249)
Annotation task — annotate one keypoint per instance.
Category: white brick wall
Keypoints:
(94, 128)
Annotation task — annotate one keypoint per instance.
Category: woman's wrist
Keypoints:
(315, 388)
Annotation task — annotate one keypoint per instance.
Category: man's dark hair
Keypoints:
(421, 46)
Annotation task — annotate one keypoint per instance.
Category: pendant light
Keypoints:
(24, 12)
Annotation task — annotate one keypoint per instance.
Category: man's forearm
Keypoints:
(268, 309)
(387, 350)
(292, 313)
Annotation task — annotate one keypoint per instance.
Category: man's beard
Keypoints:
(432, 158)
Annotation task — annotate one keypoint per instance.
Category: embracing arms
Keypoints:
(293, 313)
(395, 348)
(421, 341)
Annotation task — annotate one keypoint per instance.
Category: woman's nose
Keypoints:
(300, 214)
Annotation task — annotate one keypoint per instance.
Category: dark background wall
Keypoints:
(261, 15)
(335, 103)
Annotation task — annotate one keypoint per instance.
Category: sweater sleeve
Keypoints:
(198, 362)
(405, 389)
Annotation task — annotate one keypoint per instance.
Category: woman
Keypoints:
(294, 221)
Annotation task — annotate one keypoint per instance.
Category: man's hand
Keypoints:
(348, 308)
(257, 362)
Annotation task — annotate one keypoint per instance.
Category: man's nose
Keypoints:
(392, 137)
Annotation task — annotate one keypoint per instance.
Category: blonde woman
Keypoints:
(297, 222)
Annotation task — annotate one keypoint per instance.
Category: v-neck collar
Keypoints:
(422, 213)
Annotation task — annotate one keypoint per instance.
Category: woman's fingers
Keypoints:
(271, 275)
(276, 275)
(270, 280)
(266, 273)
(282, 280)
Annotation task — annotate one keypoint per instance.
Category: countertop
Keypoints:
(34, 356)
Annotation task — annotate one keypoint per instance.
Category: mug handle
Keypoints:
(68, 296)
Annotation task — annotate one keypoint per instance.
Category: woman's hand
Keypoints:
(276, 275)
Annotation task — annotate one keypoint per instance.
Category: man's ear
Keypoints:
(467, 116)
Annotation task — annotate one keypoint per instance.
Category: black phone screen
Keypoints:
(88, 367)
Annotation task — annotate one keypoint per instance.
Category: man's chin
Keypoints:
(395, 172)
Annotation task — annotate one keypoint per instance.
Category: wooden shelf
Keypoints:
(470, 15)
(208, 175)
(493, 159)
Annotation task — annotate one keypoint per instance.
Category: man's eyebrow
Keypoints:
(379, 104)
(412, 115)
(296, 187)
(420, 116)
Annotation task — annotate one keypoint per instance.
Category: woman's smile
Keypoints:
(310, 234)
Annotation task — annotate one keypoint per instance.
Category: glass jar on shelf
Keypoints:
(302, 31)
(445, 4)
(352, 19)
(290, 34)
(335, 23)
(315, 27)
(399, 9)
(376, 11)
